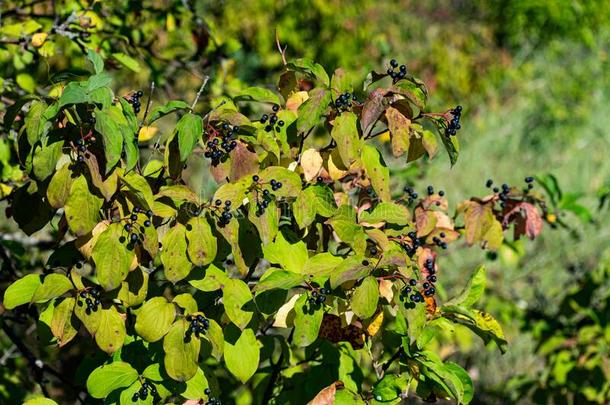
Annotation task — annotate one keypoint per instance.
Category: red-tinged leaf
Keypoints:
(425, 221)
(372, 110)
(526, 218)
(481, 225)
(242, 162)
(327, 395)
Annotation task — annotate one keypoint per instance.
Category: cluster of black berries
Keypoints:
(132, 222)
(415, 243)
(430, 191)
(344, 101)
(134, 100)
(317, 298)
(199, 325)
(428, 286)
(396, 75)
(266, 197)
(439, 241)
(219, 147)
(409, 293)
(412, 194)
(225, 216)
(274, 121)
(211, 400)
(145, 389)
(82, 144)
(530, 183)
(454, 124)
(91, 298)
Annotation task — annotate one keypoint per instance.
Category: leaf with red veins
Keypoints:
(526, 218)
(373, 107)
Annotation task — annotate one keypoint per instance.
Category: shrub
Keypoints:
(308, 274)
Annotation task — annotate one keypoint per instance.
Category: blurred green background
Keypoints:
(533, 77)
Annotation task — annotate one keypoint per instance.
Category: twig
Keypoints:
(279, 47)
(205, 81)
(388, 363)
(148, 103)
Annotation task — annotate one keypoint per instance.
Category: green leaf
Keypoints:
(112, 257)
(280, 279)
(307, 322)
(352, 268)
(168, 108)
(109, 377)
(257, 94)
(181, 355)
(438, 372)
(60, 186)
(214, 279)
(310, 68)
(52, 286)
(96, 60)
(63, 326)
(188, 130)
(291, 182)
(312, 110)
(291, 256)
(390, 212)
(110, 334)
(303, 210)
(452, 146)
(345, 134)
(46, 155)
(236, 295)
(243, 355)
(321, 265)
(195, 387)
(473, 290)
(21, 291)
(266, 222)
(139, 189)
(173, 256)
(127, 61)
(201, 241)
(415, 315)
(111, 136)
(134, 288)
(415, 92)
(365, 298)
(481, 323)
(463, 376)
(389, 387)
(40, 401)
(155, 318)
(377, 171)
(186, 302)
(216, 338)
(34, 123)
(73, 93)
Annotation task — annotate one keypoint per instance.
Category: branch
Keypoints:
(388, 363)
(205, 81)
(38, 367)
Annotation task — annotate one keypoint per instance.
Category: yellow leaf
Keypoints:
(146, 133)
(296, 100)
(375, 325)
(5, 190)
(311, 162)
(39, 39)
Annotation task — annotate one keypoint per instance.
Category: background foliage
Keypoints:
(533, 77)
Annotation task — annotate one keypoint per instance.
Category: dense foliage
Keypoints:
(261, 241)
